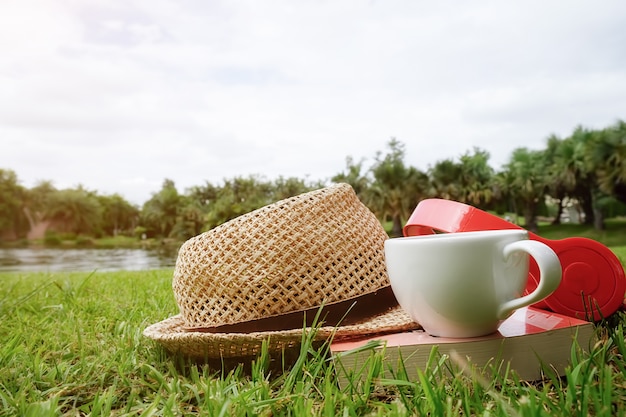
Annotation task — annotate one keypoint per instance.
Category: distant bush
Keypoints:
(140, 232)
(67, 236)
(51, 238)
(84, 241)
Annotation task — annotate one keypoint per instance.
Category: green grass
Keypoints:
(72, 345)
(614, 233)
(613, 236)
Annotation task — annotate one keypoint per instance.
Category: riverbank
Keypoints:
(108, 242)
(71, 259)
(613, 235)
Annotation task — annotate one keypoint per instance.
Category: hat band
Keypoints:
(347, 312)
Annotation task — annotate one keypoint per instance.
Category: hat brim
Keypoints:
(172, 335)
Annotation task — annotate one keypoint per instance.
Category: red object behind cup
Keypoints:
(593, 283)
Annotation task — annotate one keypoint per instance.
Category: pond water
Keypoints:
(53, 259)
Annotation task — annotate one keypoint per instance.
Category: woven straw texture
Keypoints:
(171, 335)
(319, 247)
(314, 249)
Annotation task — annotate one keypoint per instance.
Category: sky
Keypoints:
(119, 95)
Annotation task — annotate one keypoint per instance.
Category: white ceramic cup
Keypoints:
(465, 284)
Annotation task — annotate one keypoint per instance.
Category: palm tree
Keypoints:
(238, 196)
(12, 198)
(189, 221)
(503, 193)
(158, 214)
(396, 189)
(288, 187)
(561, 171)
(607, 156)
(75, 210)
(444, 179)
(117, 214)
(354, 176)
(526, 182)
(476, 179)
(203, 195)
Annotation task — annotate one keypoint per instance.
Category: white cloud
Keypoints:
(119, 95)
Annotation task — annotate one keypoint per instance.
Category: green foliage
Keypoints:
(12, 218)
(140, 232)
(238, 196)
(159, 213)
(606, 153)
(444, 177)
(585, 170)
(118, 215)
(396, 188)
(470, 181)
(74, 210)
(84, 241)
(189, 221)
(242, 195)
(526, 181)
(355, 176)
(52, 238)
(73, 345)
(476, 179)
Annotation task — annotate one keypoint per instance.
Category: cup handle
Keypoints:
(550, 272)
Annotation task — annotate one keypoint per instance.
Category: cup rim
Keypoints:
(461, 235)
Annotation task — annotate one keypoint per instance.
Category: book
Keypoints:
(527, 342)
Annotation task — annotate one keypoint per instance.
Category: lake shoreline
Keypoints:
(76, 259)
(118, 242)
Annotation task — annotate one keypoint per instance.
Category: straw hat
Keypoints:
(259, 276)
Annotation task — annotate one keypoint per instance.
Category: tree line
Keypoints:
(585, 170)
